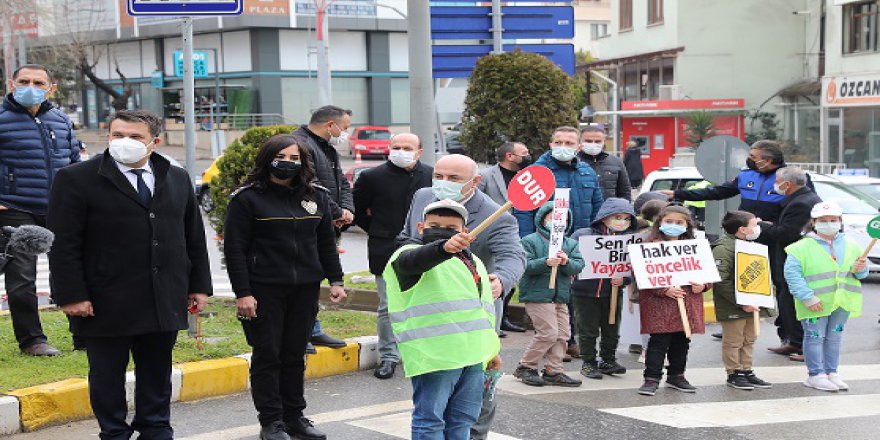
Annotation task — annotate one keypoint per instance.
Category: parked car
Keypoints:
(867, 185)
(203, 186)
(453, 141)
(352, 174)
(370, 140)
(858, 207)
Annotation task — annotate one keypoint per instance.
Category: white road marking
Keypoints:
(326, 417)
(398, 425)
(755, 412)
(696, 376)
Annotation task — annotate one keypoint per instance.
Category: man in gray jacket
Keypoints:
(613, 178)
(456, 177)
(512, 156)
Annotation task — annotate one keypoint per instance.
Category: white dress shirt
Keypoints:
(149, 178)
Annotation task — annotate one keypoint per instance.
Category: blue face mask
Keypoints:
(29, 96)
(445, 189)
(672, 229)
(563, 154)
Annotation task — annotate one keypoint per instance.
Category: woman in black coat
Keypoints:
(280, 244)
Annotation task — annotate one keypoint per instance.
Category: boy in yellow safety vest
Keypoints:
(443, 317)
(823, 270)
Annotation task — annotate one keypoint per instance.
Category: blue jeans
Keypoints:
(447, 403)
(387, 343)
(822, 337)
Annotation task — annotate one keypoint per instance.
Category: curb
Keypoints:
(32, 408)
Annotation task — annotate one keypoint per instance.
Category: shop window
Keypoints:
(626, 15)
(860, 27)
(655, 12)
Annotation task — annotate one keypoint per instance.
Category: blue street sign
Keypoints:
(518, 22)
(200, 63)
(456, 61)
(184, 8)
(157, 79)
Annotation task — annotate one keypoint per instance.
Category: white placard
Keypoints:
(673, 263)
(753, 284)
(607, 256)
(559, 221)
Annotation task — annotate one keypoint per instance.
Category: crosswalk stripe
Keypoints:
(696, 376)
(326, 417)
(219, 280)
(755, 412)
(398, 425)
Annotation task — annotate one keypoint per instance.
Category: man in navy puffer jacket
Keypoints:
(36, 140)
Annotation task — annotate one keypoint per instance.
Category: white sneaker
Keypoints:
(835, 379)
(821, 383)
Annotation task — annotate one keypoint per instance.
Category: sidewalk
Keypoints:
(32, 408)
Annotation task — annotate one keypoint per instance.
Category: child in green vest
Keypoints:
(443, 317)
(737, 322)
(823, 270)
(547, 307)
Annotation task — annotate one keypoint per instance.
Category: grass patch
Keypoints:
(223, 330)
(363, 286)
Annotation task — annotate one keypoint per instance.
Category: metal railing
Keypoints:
(243, 121)
(818, 168)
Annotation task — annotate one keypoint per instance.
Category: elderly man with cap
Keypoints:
(456, 177)
(791, 183)
(445, 347)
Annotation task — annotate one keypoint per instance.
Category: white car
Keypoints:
(858, 207)
(867, 185)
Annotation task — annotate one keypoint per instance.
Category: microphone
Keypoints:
(28, 239)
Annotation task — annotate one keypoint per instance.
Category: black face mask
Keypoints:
(285, 169)
(430, 235)
(751, 164)
(526, 161)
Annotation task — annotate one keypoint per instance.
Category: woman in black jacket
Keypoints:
(280, 244)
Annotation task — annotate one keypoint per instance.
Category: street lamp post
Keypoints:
(325, 92)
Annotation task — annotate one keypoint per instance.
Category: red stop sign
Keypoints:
(531, 187)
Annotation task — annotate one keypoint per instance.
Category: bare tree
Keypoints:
(75, 25)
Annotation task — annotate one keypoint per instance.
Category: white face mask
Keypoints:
(592, 149)
(827, 228)
(340, 140)
(754, 234)
(402, 158)
(128, 151)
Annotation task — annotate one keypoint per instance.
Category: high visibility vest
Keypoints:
(443, 322)
(834, 284)
(699, 185)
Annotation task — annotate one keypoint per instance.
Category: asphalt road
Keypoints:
(358, 406)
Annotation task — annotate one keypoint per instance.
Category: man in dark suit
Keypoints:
(381, 201)
(791, 182)
(129, 259)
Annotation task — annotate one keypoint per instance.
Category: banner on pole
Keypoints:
(559, 221)
(752, 275)
(673, 263)
(607, 256)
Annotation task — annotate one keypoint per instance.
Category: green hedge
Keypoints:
(236, 163)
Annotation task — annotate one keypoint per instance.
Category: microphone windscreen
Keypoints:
(31, 240)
